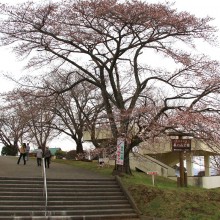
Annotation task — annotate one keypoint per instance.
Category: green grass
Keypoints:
(87, 165)
(164, 200)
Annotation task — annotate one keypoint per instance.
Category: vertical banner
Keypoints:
(120, 151)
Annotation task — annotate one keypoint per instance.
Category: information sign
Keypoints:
(152, 173)
(181, 144)
(120, 151)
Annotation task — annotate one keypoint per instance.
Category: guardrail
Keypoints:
(147, 163)
(45, 185)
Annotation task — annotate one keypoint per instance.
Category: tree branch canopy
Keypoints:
(140, 56)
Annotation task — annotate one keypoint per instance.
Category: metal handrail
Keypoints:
(45, 185)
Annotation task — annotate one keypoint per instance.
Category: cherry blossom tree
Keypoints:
(75, 109)
(142, 57)
(13, 125)
(36, 112)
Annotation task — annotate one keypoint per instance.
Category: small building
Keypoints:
(161, 157)
(53, 151)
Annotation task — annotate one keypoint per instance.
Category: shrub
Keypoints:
(71, 155)
(60, 154)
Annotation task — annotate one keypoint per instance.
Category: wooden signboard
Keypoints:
(181, 144)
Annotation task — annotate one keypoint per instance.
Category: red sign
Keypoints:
(181, 144)
(152, 173)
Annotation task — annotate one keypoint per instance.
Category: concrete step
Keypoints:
(62, 202)
(76, 217)
(22, 198)
(59, 198)
(96, 211)
(87, 190)
(67, 199)
(21, 190)
(18, 181)
(21, 203)
(59, 181)
(11, 193)
(54, 185)
(21, 185)
(81, 181)
(60, 193)
(65, 207)
(61, 190)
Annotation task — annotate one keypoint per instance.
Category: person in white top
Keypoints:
(39, 155)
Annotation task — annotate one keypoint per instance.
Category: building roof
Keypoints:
(166, 147)
(53, 150)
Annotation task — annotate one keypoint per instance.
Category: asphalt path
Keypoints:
(10, 168)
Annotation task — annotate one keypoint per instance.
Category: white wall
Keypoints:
(210, 182)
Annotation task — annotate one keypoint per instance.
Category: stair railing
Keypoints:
(45, 185)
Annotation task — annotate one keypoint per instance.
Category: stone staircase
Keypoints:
(92, 199)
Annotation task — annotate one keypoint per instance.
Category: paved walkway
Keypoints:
(10, 168)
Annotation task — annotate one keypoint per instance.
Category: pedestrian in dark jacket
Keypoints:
(47, 156)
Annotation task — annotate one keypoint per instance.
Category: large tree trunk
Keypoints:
(15, 147)
(79, 146)
(126, 165)
(125, 168)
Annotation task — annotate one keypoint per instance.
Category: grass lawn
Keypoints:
(164, 200)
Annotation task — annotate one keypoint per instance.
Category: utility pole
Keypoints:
(181, 161)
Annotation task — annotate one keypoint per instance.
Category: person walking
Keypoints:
(47, 156)
(39, 155)
(22, 151)
(27, 151)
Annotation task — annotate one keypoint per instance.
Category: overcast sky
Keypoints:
(10, 65)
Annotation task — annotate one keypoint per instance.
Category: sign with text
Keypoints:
(120, 151)
(152, 172)
(181, 144)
